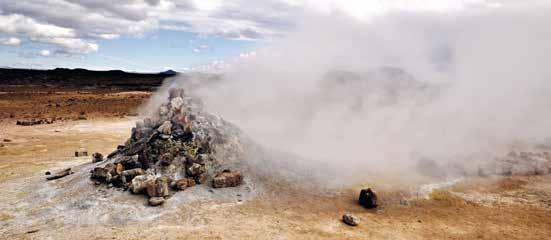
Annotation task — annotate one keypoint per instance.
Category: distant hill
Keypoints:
(79, 77)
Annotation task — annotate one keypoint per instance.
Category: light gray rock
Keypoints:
(351, 220)
(156, 201)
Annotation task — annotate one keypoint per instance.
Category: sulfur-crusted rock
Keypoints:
(227, 178)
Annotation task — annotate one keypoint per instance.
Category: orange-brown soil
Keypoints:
(477, 208)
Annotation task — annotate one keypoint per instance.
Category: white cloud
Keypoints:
(109, 35)
(12, 41)
(74, 25)
(45, 53)
(46, 33)
(17, 23)
(70, 45)
(201, 48)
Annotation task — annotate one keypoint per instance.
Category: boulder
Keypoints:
(368, 198)
(97, 157)
(351, 220)
(139, 183)
(227, 178)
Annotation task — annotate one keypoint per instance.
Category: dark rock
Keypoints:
(227, 178)
(128, 175)
(166, 159)
(97, 157)
(201, 158)
(130, 162)
(350, 219)
(111, 168)
(60, 174)
(101, 174)
(368, 198)
(33, 121)
(81, 153)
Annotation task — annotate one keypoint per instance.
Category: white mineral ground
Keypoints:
(75, 205)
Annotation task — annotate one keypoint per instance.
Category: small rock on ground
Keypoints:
(156, 201)
(351, 220)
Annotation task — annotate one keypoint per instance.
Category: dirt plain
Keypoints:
(475, 208)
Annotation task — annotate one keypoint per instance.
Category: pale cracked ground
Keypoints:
(489, 208)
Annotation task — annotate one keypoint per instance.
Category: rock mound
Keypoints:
(175, 148)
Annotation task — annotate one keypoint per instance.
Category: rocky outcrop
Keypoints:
(175, 148)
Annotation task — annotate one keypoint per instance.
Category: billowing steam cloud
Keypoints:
(359, 97)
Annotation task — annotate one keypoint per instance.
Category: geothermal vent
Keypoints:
(175, 148)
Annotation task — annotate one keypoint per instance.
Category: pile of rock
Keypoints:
(175, 148)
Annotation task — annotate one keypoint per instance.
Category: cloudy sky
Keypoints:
(152, 35)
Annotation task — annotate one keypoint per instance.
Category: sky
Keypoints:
(156, 35)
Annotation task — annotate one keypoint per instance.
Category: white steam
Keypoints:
(360, 96)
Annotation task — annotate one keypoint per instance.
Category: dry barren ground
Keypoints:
(475, 208)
